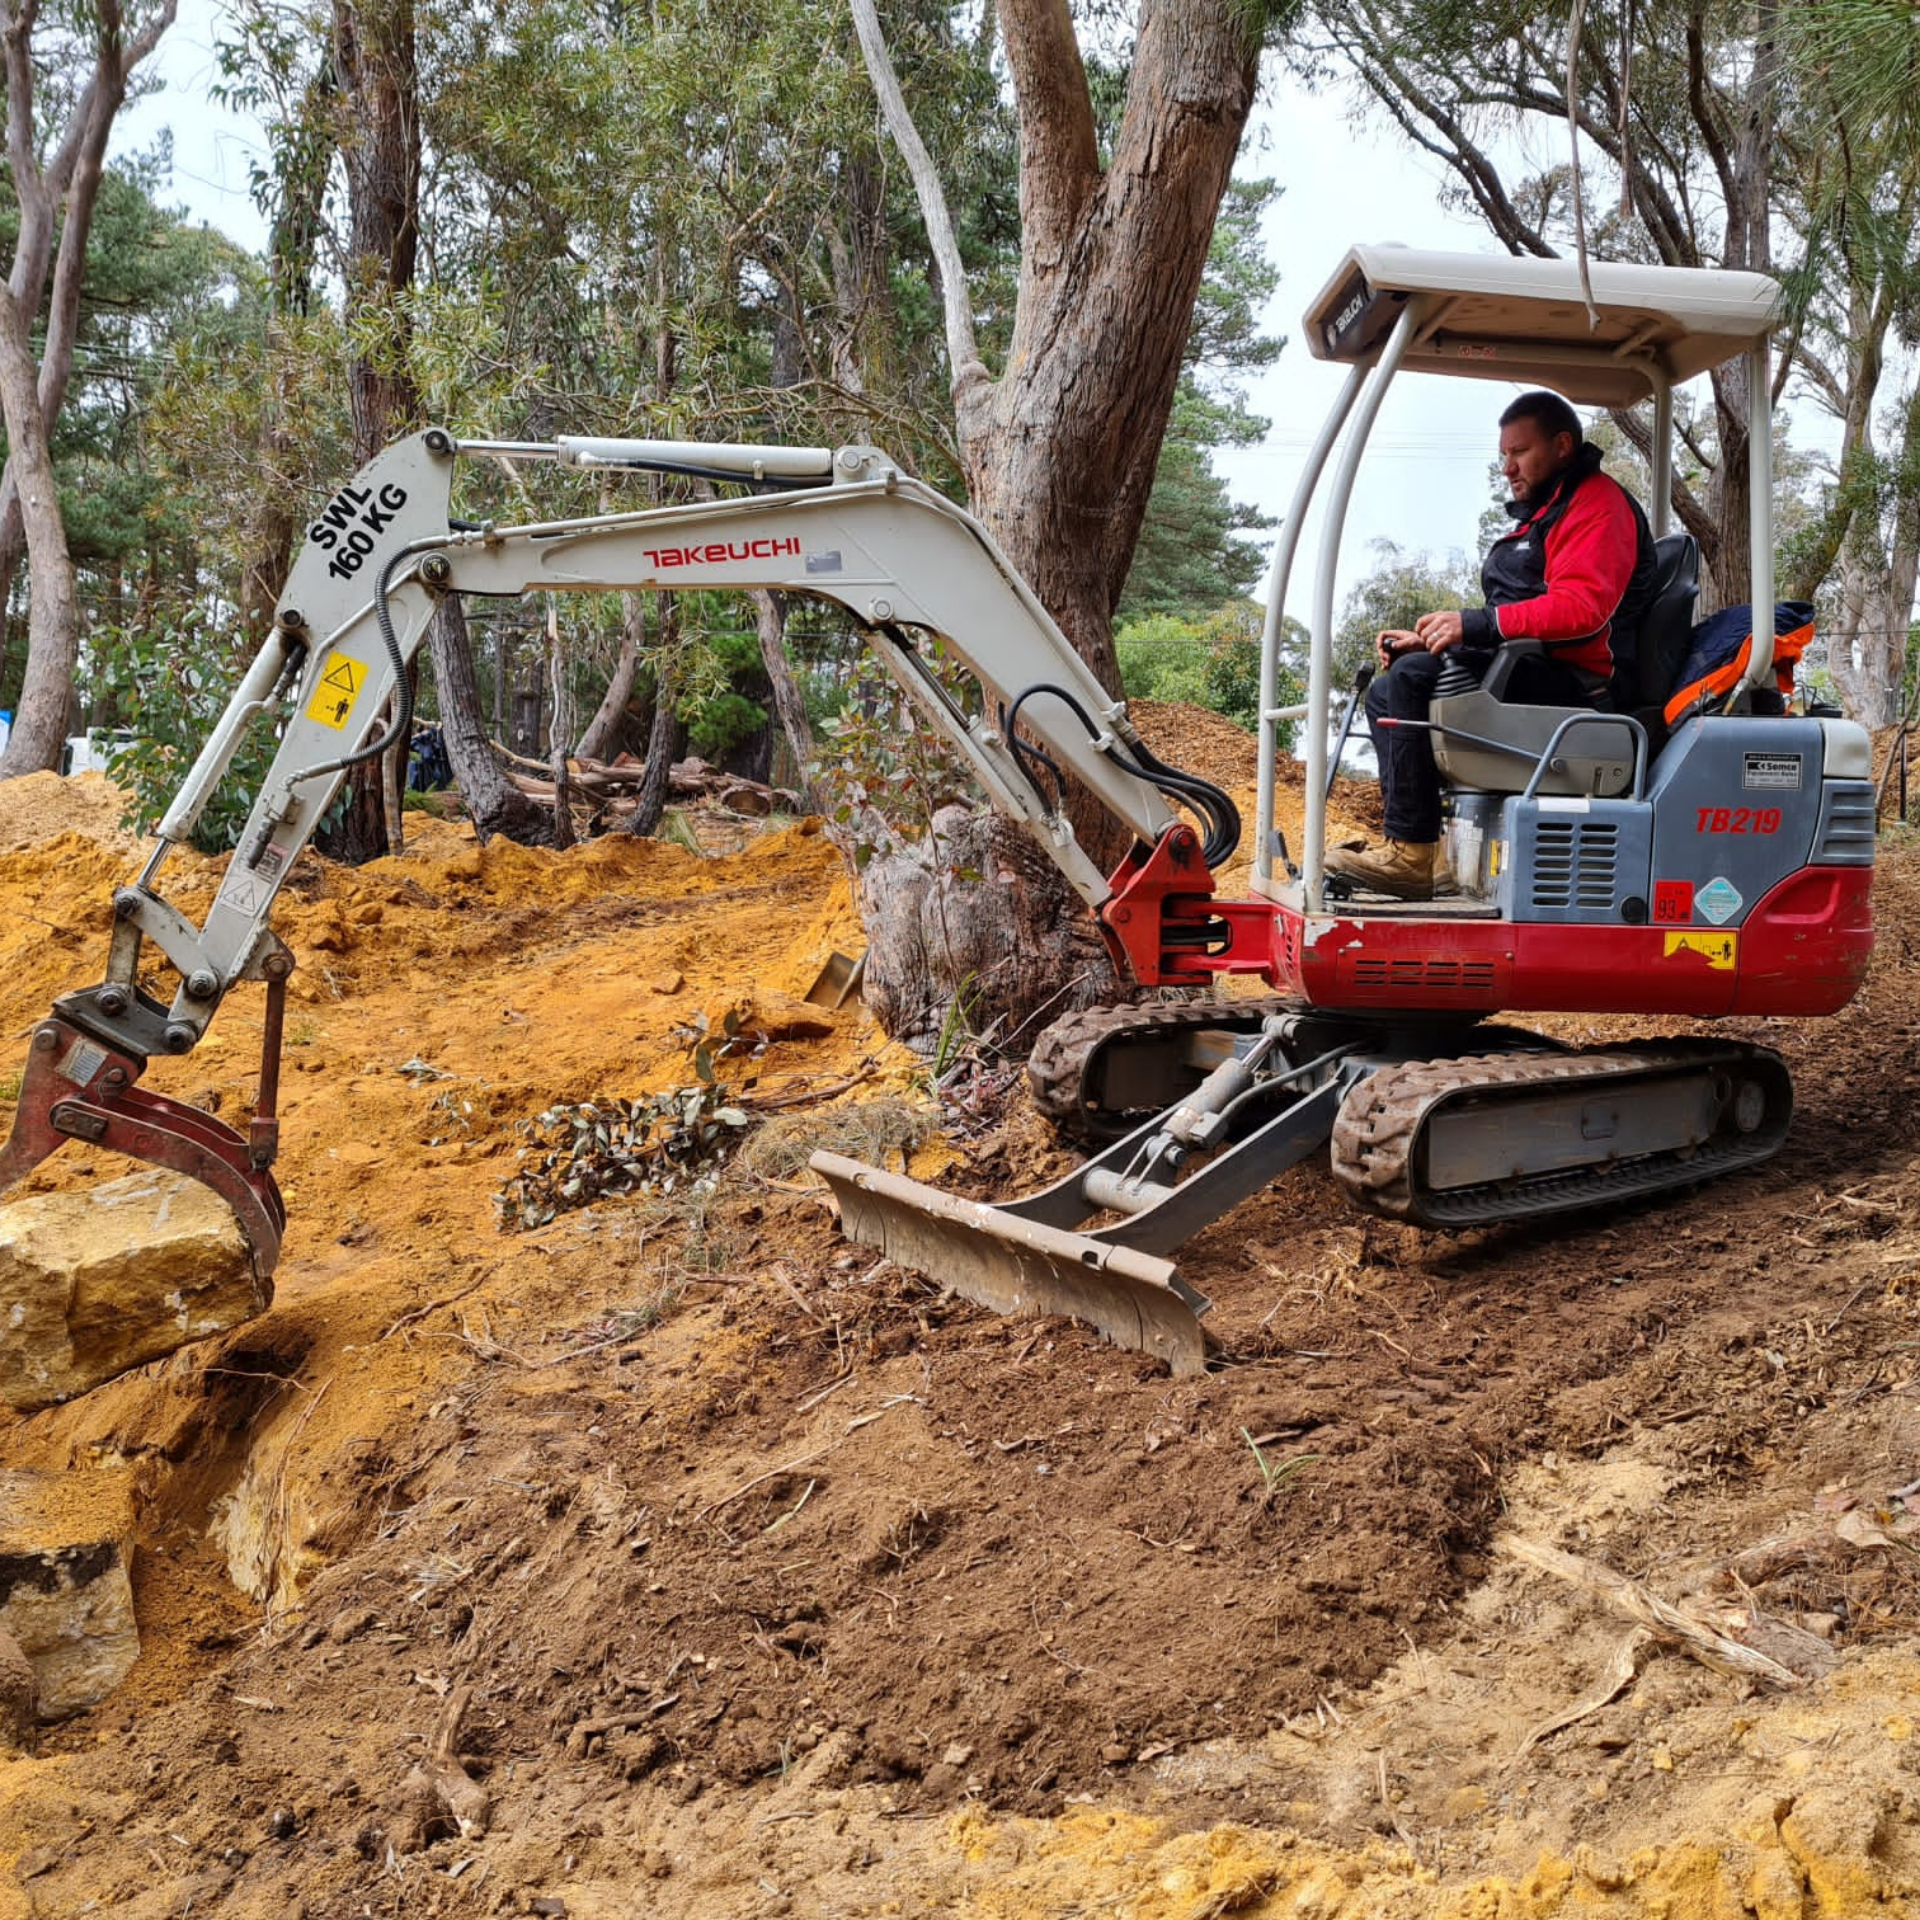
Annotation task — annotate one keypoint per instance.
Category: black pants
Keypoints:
(1408, 778)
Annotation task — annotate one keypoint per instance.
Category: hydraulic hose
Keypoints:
(402, 727)
(1220, 817)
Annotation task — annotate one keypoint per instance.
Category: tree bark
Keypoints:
(667, 735)
(666, 742)
(375, 59)
(379, 124)
(493, 802)
(40, 722)
(789, 706)
(1059, 452)
(1001, 943)
(293, 251)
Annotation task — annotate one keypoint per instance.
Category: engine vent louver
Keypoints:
(1848, 826)
(1418, 971)
(1576, 865)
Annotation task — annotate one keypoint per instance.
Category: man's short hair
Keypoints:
(1548, 411)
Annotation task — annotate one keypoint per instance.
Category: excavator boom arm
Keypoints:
(848, 528)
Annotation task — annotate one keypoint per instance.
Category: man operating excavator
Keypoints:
(1575, 573)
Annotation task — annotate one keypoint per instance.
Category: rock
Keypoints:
(94, 1283)
(1836, 1836)
(65, 1599)
(19, 1697)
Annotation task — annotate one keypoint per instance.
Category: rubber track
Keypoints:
(1377, 1128)
(1056, 1069)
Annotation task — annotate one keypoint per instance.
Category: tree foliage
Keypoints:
(1211, 662)
(1401, 587)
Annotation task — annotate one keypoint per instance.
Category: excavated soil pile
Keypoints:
(678, 1558)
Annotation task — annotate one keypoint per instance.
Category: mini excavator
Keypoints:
(1600, 862)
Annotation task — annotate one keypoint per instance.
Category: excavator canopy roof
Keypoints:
(1497, 317)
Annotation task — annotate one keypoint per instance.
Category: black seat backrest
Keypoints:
(1666, 628)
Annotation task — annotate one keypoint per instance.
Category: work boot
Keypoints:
(1402, 869)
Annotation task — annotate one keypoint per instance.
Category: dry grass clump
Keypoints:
(872, 1130)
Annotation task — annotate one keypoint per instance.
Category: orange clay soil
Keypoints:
(743, 1574)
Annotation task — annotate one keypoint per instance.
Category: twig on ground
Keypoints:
(415, 1314)
(584, 1730)
(1853, 1300)
(760, 1479)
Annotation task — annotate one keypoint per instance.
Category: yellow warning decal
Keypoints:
(1719, 950)
(340, 682)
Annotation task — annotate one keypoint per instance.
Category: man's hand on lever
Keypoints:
(1439, 631)
(1431, 633)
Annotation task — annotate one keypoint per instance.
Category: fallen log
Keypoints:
(731, 791)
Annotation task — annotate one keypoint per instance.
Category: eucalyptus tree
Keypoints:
(68, 72)
(340, 86)
(1857, 67)
(151, 280)
(1060, 446)
(708, 252)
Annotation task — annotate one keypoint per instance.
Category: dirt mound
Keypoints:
(740, 1573)
(38, 806)
(1198, 741)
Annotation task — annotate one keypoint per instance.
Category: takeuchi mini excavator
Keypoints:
(1600, 862)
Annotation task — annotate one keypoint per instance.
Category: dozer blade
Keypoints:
(1018, 1266)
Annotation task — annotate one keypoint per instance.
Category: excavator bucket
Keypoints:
(77, 1086)
(1017, 1266)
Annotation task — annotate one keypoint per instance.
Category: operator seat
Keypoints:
(1486, 744)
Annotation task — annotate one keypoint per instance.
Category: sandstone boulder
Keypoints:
(66, 1540)
(94, 1283)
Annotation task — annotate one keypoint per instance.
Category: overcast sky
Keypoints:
(1424, 484)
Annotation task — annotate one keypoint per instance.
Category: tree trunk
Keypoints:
(561, 736)
(380, 142)
(528, 705)
(603, 729)
(666, 742)
(494, 803)
(1059, 453)
(789, 706)
(393, 774)
(667, 736)
(1001, 944)
(379, 122)
(40, 723)
(293, 249)
(67, 181)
